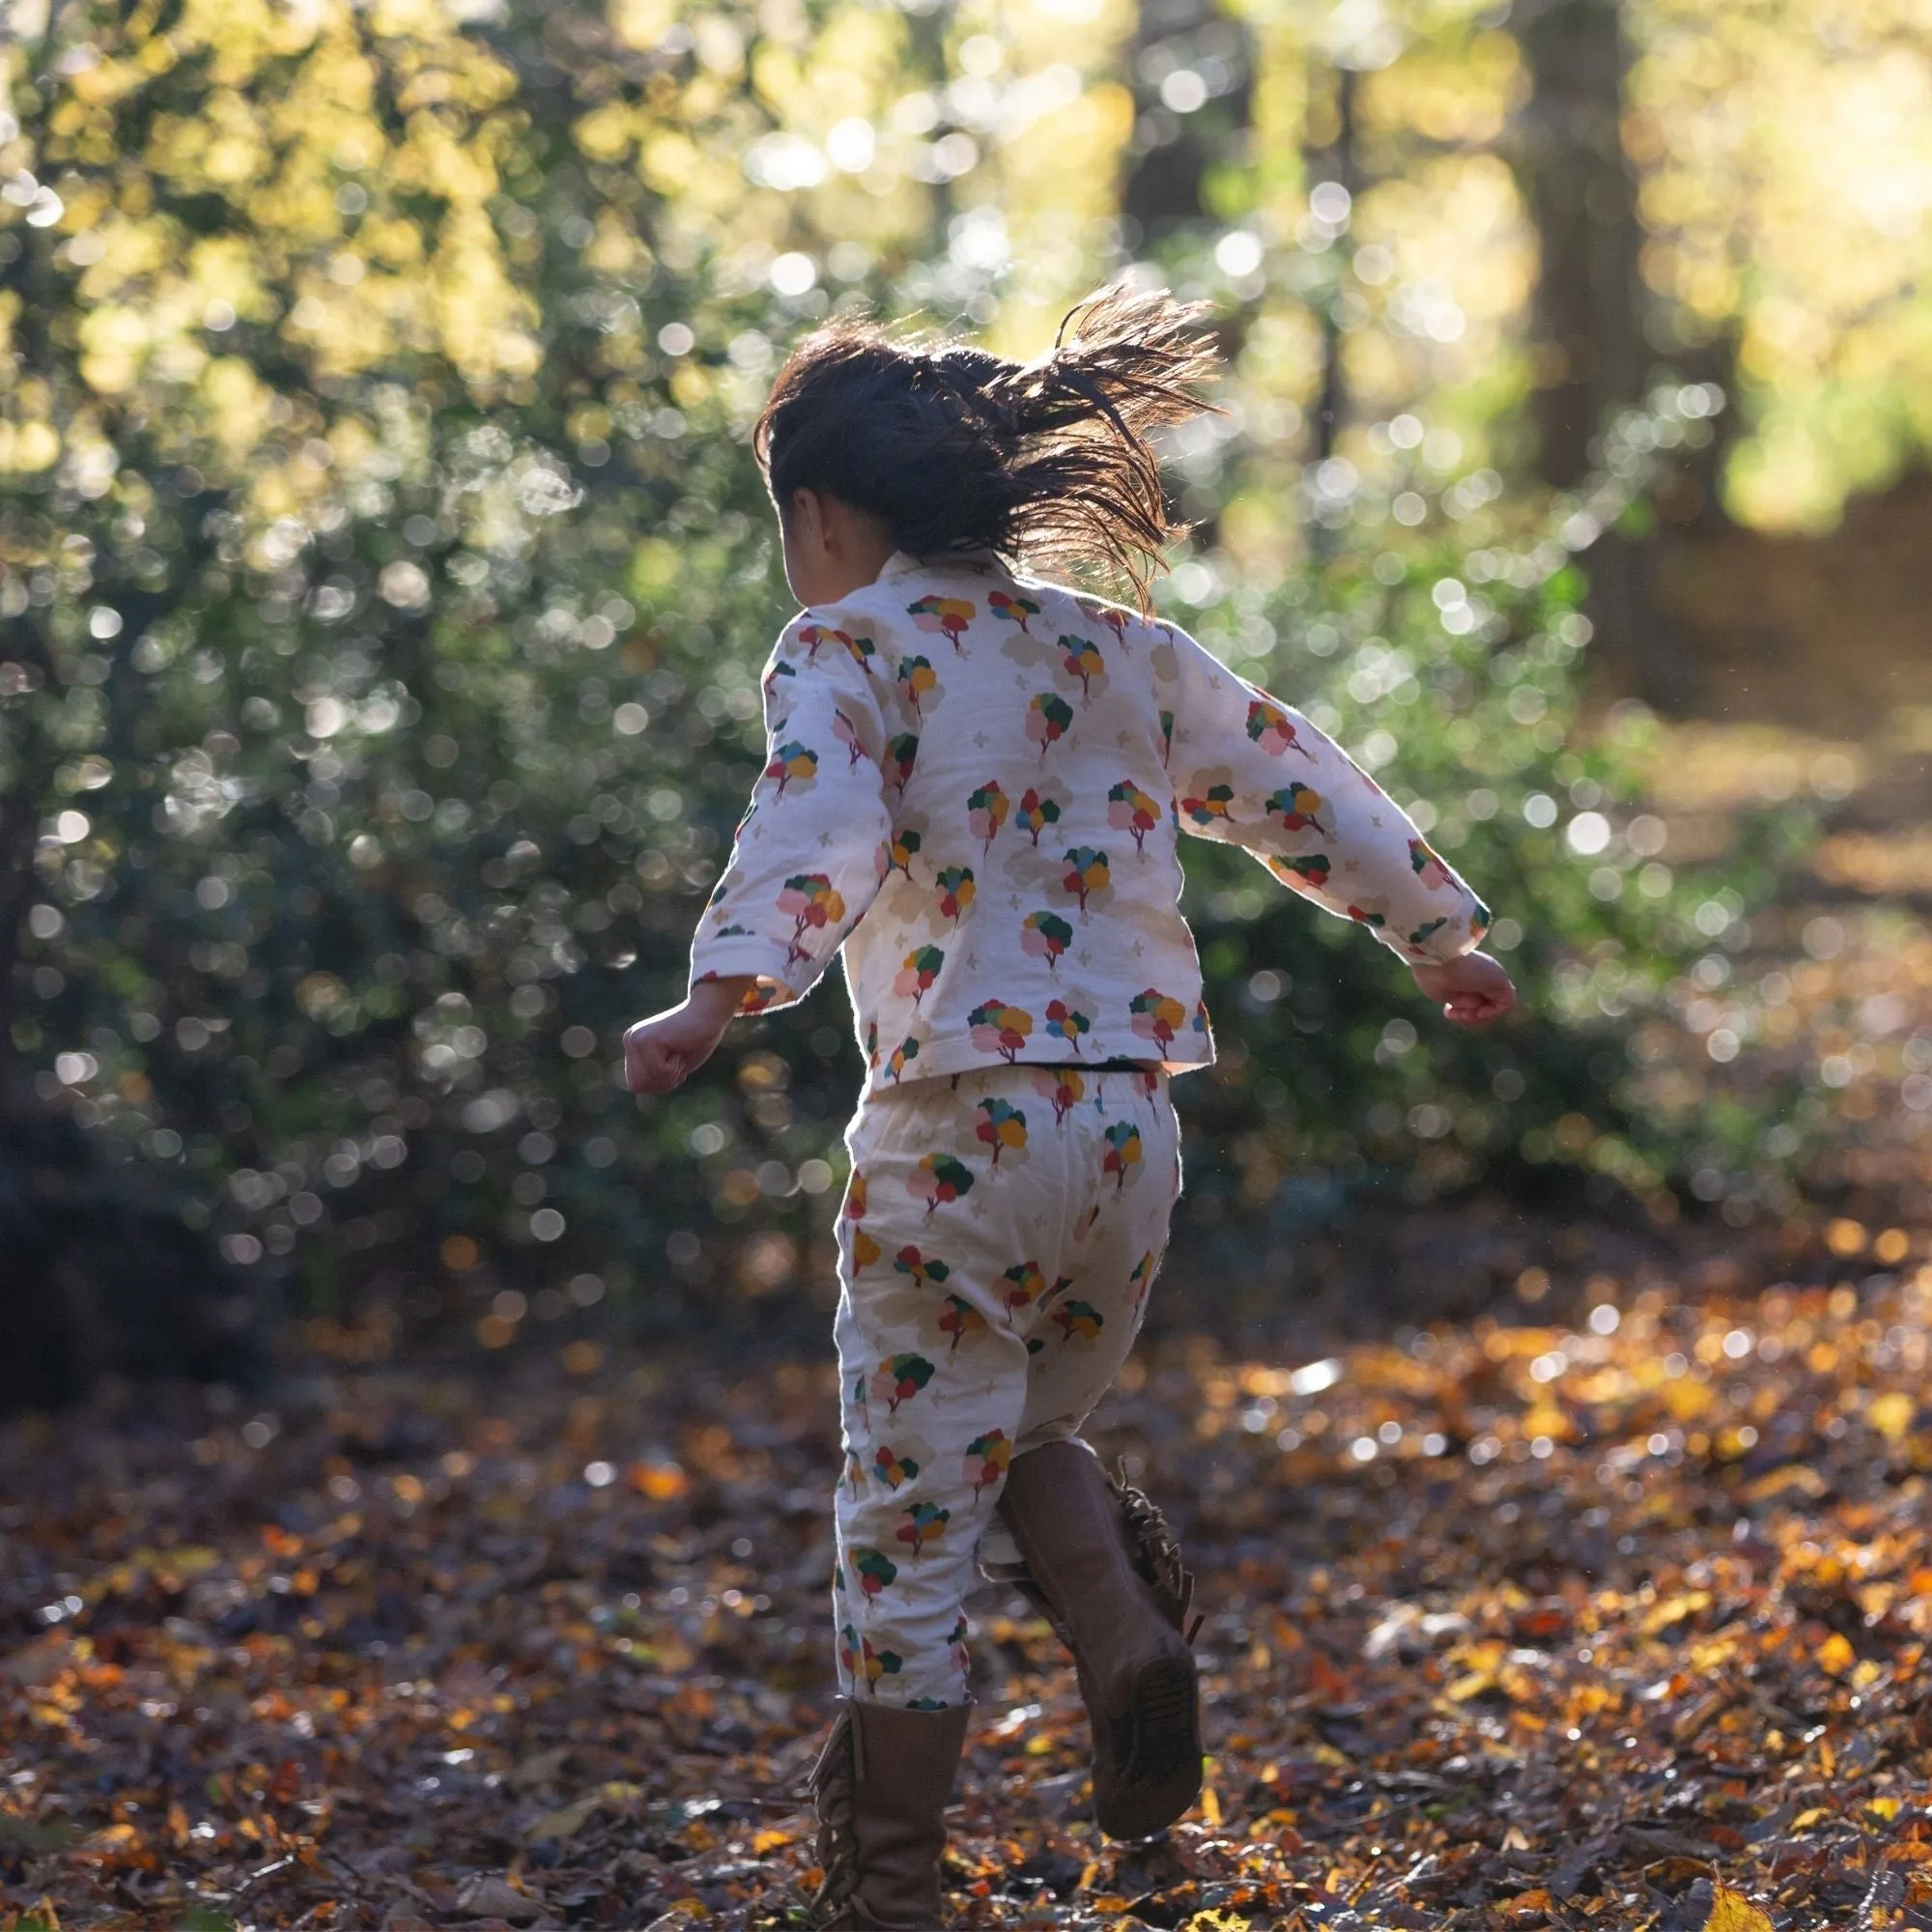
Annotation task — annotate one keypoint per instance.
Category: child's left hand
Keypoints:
(665, 1050)
(1472, 992)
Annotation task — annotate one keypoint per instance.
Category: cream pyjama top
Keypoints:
(976, 784)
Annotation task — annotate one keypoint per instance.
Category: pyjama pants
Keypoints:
(996, 1247)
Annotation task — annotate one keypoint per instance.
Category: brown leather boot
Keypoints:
(881, 1787)
(1106, 1570)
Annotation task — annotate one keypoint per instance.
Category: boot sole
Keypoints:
(1160, 1775)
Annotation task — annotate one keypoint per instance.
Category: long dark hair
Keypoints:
(1044, 463)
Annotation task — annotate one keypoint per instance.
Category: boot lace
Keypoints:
(1157, 1555)
(833, 1788)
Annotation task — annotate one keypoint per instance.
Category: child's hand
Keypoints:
(1472, 992)
(666, 1049)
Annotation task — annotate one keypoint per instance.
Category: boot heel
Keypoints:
(1161, 1759)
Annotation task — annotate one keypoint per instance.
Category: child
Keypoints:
(975, 783)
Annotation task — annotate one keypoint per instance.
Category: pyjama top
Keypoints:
(976, 784)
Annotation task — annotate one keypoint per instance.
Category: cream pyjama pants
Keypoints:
(996, 1247)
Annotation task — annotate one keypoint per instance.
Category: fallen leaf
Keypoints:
(1732, 1911)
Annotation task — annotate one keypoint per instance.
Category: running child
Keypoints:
(975, 787)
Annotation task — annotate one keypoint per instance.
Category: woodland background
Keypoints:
(383, 582)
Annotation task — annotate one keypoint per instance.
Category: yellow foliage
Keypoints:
(1732, 1911)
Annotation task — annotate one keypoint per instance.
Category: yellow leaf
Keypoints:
(1732, 1911)
(1884, 1808)
(1674, 1610)
(1892, 1414)
(1835, 1655)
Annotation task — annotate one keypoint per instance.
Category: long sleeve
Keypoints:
(1254, 772)
(814, 845)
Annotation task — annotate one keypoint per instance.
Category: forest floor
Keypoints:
(1608, 1608)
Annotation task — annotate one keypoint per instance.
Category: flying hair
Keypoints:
(1047, 464)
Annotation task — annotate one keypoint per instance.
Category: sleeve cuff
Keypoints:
(780, 979)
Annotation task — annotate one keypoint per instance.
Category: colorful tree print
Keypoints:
(1310, 868)
(1080, 659)
(1067, 1023)
(1062, 1086)
(1049, 718)
(903, 850)
(955, 892)
(1295, 806)
(893, 1468)
(946, 615)
(915, 976)
(849, 1653)
(1085, 874)
(1001, 1127)
(1079, 1323)
(847, 734)
(957, 1319)
(900, 753)
(1213, 805)
(792, 763)
(1130, 809)
(873, 1571)
(865, 1249)
(1166, 737)
(900, 1377)
(1124, 1151)
(1139, 1281)
(998, 1028)
(940, 1178)
(988, 1460)
(1429, 868)
(917, 680)
(1157, 1017)
(923, 1269)
(813, 636)
(1419, 939)
(1373, 916)
(955, 1641)
(921, 1524)
(1014, 610)
(986, 812)
(780, 668)
(880, 1663)
(812, 902)
(864, 652)
(1115, 620)
(1274, 730)
(1038, 811)
(1025, 1283)
(1045, 935)
(902, 1056)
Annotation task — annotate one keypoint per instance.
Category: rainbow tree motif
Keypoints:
(917, 680)
(893, 1468)
(864, 652)
(813, 636)
(1428, 867)
(847, 734)
(986, 812)
(1067, 1023)
(1157, 1017)
(1062, 1086)
(1084, 1227)
(1079, 1323)
(812, 902)
(873, 1571)
(1423, 933)
(1205, 810)
(1116, 620)
(902, 1056)
(901, 753)
(945, 615)
(1014, 610)
(880, 1663)
(1274, 730)
(923, 1270)
(1001, 1127)
(903, 850)
(862, 1406)
(1086, 873)
(899, 1378)
(998, 1028)
(938, 1179)
(987, 1457)
(854, 1478)
(1038, 811)
(780, 668)
(957, 1319)
(865, 1250)
(921, 1524)
(1166, 736)
(955, 1642)
(1297, 805)
(1025, 1284)
(1140, 1280)
(1080, 658)
(1130, 809)
(920, 969)
(792, 763)
(1045, 935)
(1373, 916)
(849, 1653)
(1309, 869)
(1049, 718)
(955, 892)
(1124, 1151)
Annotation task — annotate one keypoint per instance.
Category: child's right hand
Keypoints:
(1471, 991)
(666, 1049)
